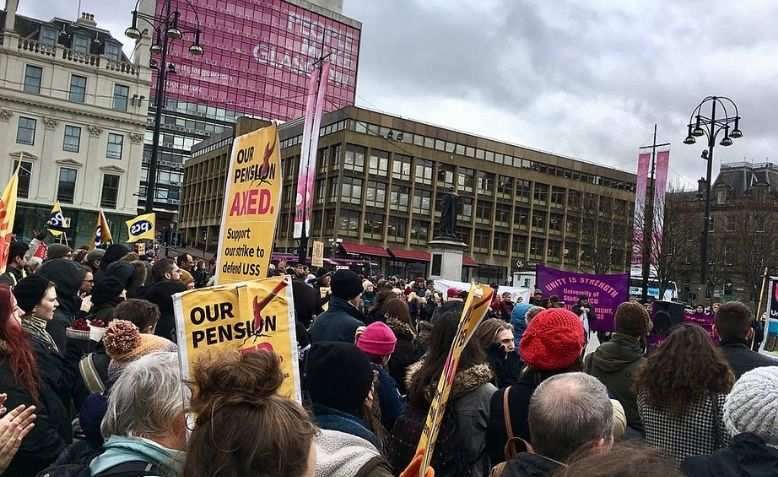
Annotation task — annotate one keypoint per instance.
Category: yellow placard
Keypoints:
(477, 304)
(251, 203)
(141, 227)
(317, 256)
(56, 221)
(7, 215)
(324, 292)
(102, 235)
(245, 316)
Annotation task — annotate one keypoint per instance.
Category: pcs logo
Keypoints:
(140, 227)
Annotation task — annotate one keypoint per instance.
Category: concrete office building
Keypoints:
(378, 184)
(72, 112)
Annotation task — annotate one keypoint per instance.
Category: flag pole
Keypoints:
(761, 295)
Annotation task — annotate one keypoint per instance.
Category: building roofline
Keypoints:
(325, 12)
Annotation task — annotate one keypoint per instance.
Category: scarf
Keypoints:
(35, 326)
(120, 449)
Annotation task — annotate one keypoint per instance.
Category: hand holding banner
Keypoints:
(478, 300)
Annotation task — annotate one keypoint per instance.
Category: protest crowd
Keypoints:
(90, 382)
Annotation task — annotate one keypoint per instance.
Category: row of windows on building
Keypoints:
(33, 80)
(71, 142)
(80, 43)
(348, 224)
(428, 142)
(66, 185)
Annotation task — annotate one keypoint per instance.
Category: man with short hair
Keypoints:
(185, 264)
(165, 275)
(14, 270)
(567, 413)
(733, 325)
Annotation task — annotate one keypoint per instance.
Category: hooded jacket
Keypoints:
(339, 454)
(747, 455)
(120, 449)
(161, 294)
(615, 363)
(405, 352)
(338, 323)
(519, 321)
(67, 277)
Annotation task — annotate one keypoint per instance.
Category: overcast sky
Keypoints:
(583, 79)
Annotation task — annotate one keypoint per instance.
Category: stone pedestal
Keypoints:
(446, 259)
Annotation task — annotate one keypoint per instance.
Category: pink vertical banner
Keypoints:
(660, 188)
(317, 86)
(640, 203)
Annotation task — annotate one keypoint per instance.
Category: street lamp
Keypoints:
(165, 27)
(711, 127)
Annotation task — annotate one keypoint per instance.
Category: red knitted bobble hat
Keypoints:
(553, 340)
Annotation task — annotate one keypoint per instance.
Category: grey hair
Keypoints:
(530, 314)
(147, 398)
(567, 412)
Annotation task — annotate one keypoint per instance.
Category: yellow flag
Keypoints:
(56, 221)
(7, 214)
(141, 228)
(102, 234)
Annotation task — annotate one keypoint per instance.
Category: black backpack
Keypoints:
(133, 468)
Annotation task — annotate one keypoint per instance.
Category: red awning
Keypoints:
(468, 261)
(413, 255)
(364, 249)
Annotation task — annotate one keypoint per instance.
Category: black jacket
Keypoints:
(405, 352)
(746, 456)
(338, 323)
(506, 366)
(529, 465)
(52, 431)
(67, 277)
(615, 363)
(741, 359)
(161, 294)
(518, 402)
(11, 276)
(307, 302)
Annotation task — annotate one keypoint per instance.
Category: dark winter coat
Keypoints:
(405, 352)
(746, 456)
(67, 277)
(338, 323)
(161, 294)
(741, 359)
(389, 398)
(467, 413)
(52, 431)
(529, 465)
(518, 402)
(335, 420)
(615, 363)
(506, 366)
(306, 302)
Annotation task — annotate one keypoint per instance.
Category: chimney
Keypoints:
(10, 15)
(87, 19)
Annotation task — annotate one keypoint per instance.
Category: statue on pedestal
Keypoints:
(448, 216)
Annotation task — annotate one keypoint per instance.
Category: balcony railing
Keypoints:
(34, 46)
(67, 54)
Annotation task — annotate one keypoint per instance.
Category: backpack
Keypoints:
(132, 468)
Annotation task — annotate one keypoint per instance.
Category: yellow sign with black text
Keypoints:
(141, 227)
(251, 202)
(244, 316)
(478, 300)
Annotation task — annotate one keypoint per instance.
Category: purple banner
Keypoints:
(640, 204)
(605, 292)
(660, 187)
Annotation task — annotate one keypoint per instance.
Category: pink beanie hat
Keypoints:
(377, 340)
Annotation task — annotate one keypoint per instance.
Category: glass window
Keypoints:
(349, 223)
(112, 51)
(503, 214)
(466, 179)
(354, 159)
(32, 79)
(379, 163)
(419, 231)
(351, 190)
(110, 191)
(573, 199)
(66, 189)
(482, 240)
(121, 95)
(500, 245)
(485, 183)
(483, 211)
(401, 167)
(422, 202)
(555, 223)
(81, 44)
(374, 226)
(541, 192)
(505, 185)
(557, 196)
(321, 191)
(446, 175)
(376, 194)
(72, 140)
(398, 198)
(521, 217)
(730, 223)
(77, 89)
(397, 229)
(25, 133)
(539, 219)
(466, 208)
(48, 37)
(519, 245)
(115, 144)
(25, 173)
(423, 171)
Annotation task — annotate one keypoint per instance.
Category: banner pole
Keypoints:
(761, 295)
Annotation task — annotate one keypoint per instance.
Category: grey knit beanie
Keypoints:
(752, 405)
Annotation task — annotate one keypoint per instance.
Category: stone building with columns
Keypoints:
(73, 111)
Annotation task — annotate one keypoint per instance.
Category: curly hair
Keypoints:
(684, 368)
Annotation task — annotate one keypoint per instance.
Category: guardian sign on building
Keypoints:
(251, 203)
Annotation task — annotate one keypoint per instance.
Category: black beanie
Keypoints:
(30, 291)
(346, 285)
(338, 375)
(107, 290)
